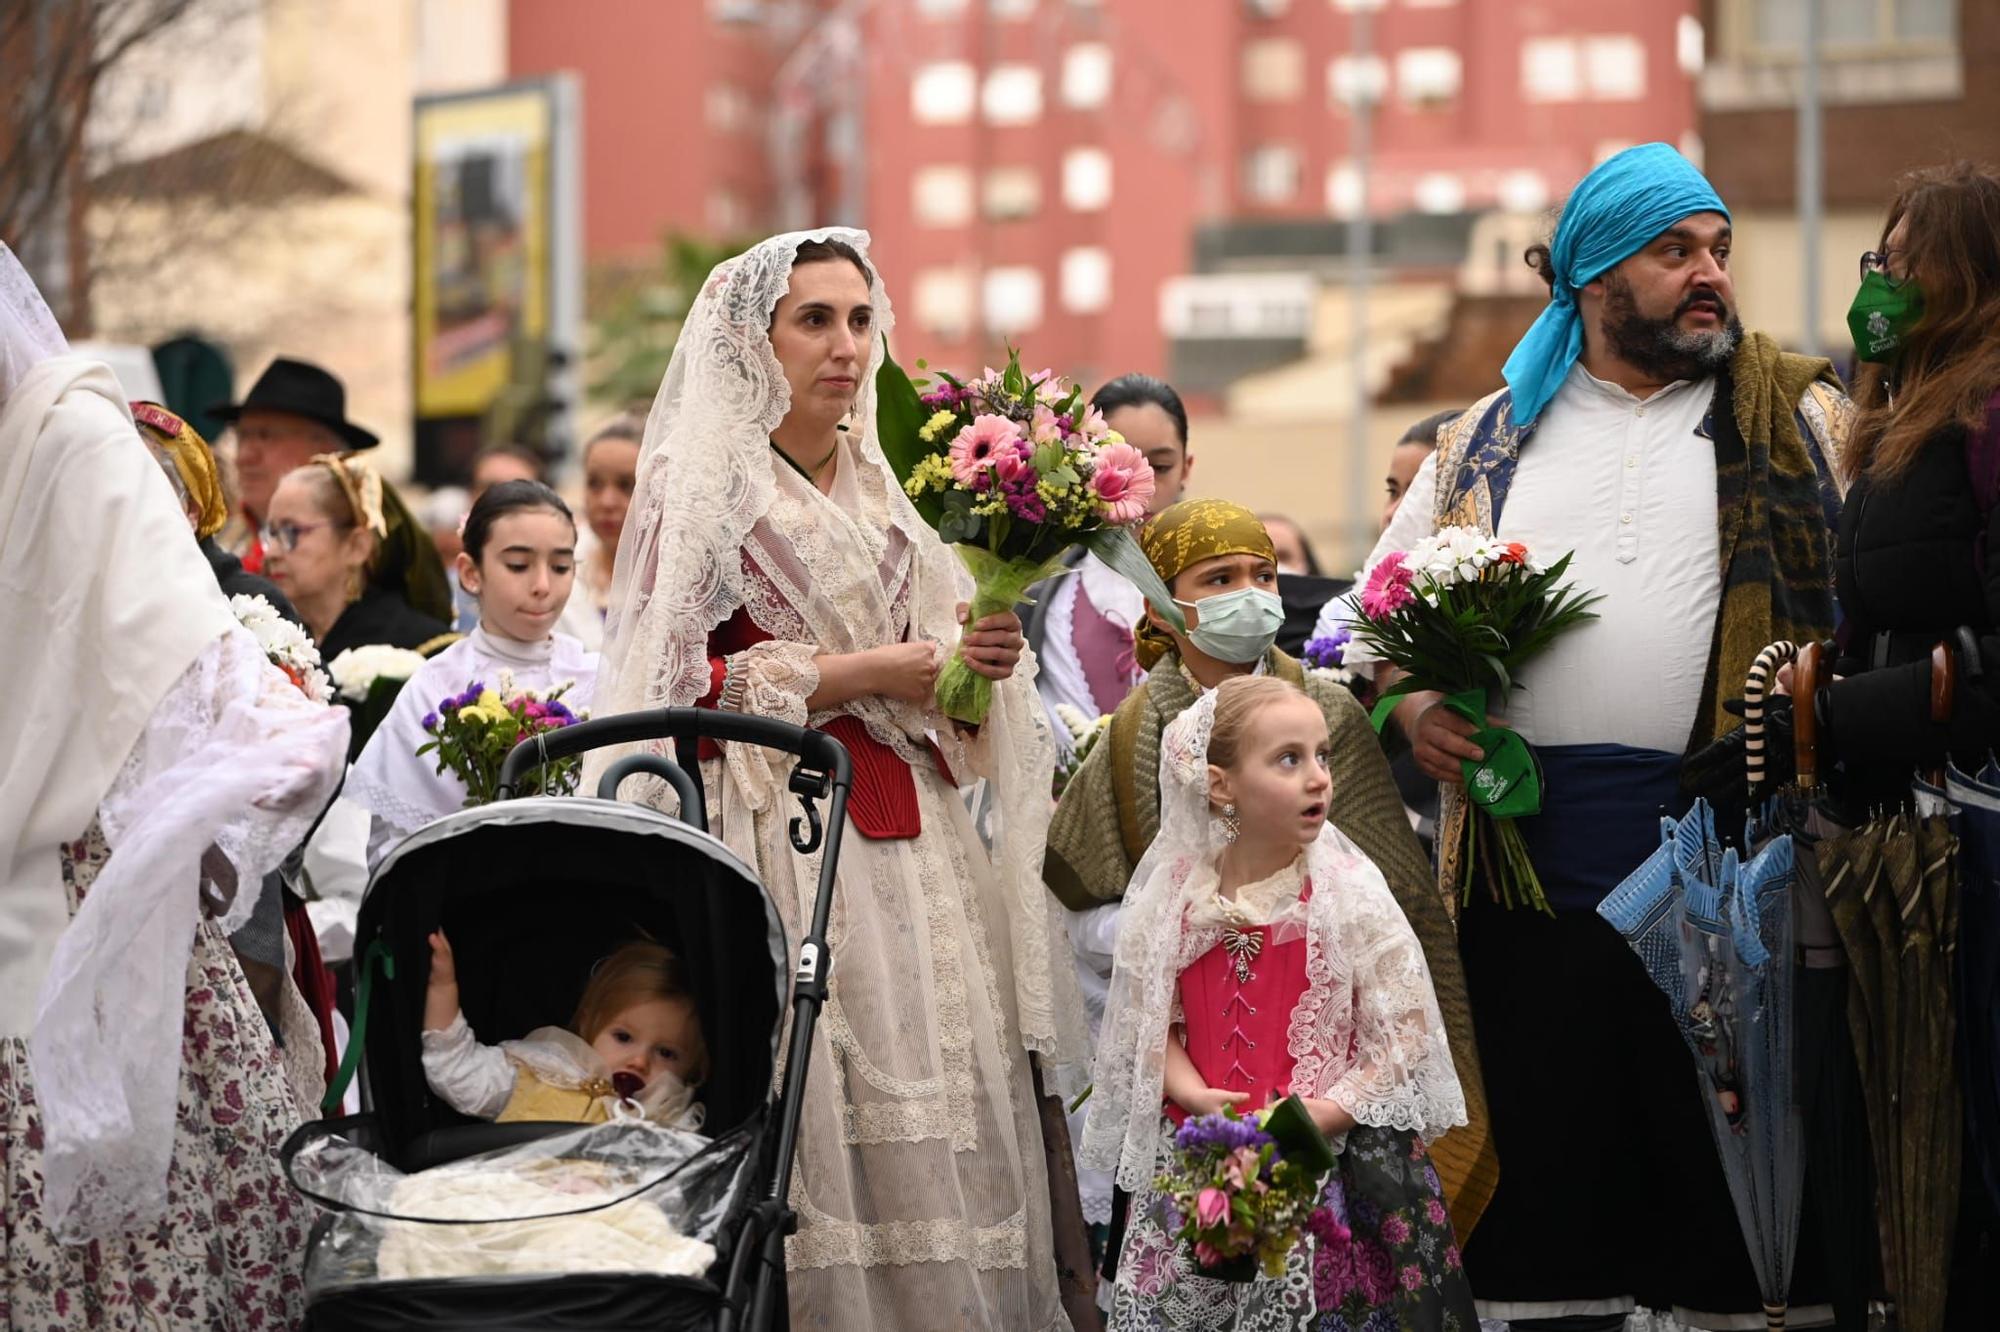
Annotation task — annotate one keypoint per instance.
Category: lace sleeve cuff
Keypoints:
(473, 1079)
(770, 679)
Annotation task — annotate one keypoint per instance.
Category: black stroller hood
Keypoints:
(531, 893)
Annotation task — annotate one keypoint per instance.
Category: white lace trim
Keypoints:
(824, 1241)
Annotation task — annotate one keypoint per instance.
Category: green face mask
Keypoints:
(1882, 315)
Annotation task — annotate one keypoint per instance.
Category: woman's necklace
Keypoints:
(818, 469)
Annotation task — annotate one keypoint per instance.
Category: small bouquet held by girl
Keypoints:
(1261, 957)
(1460, 613)
(1013, 470)
(473, 732)
(1248, 1189)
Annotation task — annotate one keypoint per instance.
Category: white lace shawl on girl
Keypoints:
(1366, 1033)
(720, 522)
(404, 791)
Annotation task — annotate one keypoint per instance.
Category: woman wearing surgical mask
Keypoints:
(1917, 560)
(1220, 565)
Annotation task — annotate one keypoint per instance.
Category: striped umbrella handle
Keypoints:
(1755, 686)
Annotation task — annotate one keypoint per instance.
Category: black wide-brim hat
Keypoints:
(302, 389)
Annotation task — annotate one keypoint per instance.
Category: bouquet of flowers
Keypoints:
(473, 732)
(1084, 732)
(1012, 470)
(289, 647)
(1246, 1189)
(1461, 613)
(367, 679)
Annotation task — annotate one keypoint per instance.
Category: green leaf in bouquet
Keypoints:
(1299, 1140)
(1047, 458)
(1119, 549)
(1014, 380)
(1062, 475)
(899, 421)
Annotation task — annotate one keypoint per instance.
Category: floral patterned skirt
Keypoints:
(1400, 1271)
(227, 1256)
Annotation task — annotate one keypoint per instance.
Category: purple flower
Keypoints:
(1329, 651)
(1027, 505)
(430, 721)
(1223, 1133)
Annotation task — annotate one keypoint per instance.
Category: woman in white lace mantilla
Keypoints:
(159, 767)
(771, 564)
(1261, 955)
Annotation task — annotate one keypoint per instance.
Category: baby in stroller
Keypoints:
(634, 1047)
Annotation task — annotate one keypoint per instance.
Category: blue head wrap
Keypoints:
(1612, 214)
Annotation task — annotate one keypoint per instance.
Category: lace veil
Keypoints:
(1366, 1032)
(719, 523)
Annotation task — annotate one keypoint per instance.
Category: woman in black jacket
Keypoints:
(1917, 559)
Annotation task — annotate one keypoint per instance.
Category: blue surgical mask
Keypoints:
(1236, 627)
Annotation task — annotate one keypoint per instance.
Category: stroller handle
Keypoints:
(817, 749)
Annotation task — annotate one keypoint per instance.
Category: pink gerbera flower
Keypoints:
(972, 451)
(1387, 589)
(1123, 479)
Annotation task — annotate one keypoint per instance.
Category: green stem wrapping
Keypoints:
(998, 585)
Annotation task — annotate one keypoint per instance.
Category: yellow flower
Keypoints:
(933, 426)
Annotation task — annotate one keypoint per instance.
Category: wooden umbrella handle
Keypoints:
(1944, 681)
(1805, 721)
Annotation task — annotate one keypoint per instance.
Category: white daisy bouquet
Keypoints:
(289, 647)
(1460, 613)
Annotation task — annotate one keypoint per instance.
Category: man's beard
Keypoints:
(1661, 347)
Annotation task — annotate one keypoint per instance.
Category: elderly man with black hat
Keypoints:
(297, 411)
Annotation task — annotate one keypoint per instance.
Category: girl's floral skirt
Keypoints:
(1400, 1271)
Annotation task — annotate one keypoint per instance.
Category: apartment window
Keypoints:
(1523, 191)
(1012, 192)
(1267, 8)
(1271, 174)
(1011, 9)
(1086, 179)
(1274, 70)
(727, 107)
(940, 8)
(1439, 192)
(1086, 75)
(1615, 67)
(1344, 190)
(1352, 80)
(725, 212)
(1350, 6)
(943, 300)
(942, 93)
(1780, 25)
(941, 196)
(1607, 149)
(1428, 75)
(1012, 96)
(1550, 70)
(1086, 279)
(1690, 44)
(1013, 299)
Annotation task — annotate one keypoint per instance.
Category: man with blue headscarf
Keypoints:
(1689, 465)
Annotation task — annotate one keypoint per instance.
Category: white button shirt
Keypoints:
(1629, 486)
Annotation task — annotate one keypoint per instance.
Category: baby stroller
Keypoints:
(531, 892)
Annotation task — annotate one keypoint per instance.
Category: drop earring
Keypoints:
(1232, 826)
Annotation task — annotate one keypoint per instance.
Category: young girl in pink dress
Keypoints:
(1261, 955)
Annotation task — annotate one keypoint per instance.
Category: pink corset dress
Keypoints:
(1237, 1008)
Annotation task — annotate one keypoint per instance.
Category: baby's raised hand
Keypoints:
(443, 970)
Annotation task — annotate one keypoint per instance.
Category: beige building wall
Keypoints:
(326, 279)
(1770, 277)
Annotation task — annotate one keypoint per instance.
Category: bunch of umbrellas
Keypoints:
(1732, 935)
